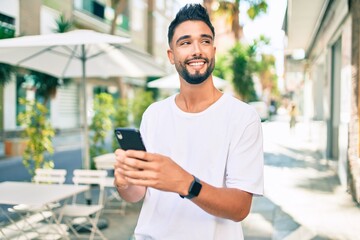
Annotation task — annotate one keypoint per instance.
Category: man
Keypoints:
(202, 144)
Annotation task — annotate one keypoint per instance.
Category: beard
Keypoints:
(197, 77)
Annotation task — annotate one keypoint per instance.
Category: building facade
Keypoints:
(322, 59)
(144, 21)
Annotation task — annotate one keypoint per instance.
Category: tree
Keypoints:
(243, 67)
(242, 62)
(265, 68)
(266, 72)
(232, 10)
(119, 7)
(141, 101)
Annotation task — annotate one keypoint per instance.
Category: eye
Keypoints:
(184, 43)
(206, 41)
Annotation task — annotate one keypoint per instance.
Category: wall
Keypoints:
(329, 67)
(29, 9)
(353, 152)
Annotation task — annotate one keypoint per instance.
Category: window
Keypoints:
(7, 26)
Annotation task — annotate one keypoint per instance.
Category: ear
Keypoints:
(171, 56)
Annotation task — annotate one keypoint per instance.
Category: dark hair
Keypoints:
(190, 12)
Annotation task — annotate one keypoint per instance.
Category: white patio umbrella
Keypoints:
(79, 53)
(172, 81)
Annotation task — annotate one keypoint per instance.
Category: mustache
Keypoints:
(197, 58)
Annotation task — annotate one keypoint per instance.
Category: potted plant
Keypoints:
(121, 117)
(39, 133)
(101, 124)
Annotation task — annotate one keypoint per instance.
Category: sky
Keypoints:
(270, 25)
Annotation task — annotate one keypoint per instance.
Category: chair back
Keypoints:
(105, 161)
(91, 177)
(54, 176)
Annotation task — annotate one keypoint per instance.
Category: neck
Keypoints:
(197, 98)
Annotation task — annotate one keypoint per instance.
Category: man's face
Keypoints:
(192, 51)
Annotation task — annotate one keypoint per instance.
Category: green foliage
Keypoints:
(39, 133)
(242, 65)
(257, 7)
(141, 101)
(121, 117)
(101, 124)
(63, 25)
(222, 69)
(45, 85)
(6, 31)
(231, 9)
(5, 73)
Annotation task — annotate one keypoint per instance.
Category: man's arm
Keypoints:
(229, 203)
(162, 173)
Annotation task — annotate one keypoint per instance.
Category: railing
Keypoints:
(101, 12)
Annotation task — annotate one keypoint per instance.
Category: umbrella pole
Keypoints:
(85, 152)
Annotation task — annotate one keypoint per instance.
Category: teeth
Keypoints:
(196, 64)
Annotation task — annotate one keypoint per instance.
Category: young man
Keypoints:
(202, 144)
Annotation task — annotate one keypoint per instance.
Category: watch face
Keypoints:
(196, 187)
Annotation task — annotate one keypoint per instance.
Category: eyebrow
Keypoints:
(188, 36)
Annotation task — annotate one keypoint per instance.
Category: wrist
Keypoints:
(194, 189)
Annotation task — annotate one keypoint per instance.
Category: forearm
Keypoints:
(228, 203)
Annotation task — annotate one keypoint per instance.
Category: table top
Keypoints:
(29, 193)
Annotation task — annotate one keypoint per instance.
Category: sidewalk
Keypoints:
(303, 197)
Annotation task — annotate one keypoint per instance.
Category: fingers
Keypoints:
(120, 182)
(142, 155)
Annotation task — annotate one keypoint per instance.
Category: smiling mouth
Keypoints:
(197, 63)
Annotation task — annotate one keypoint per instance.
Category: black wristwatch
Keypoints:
(194, 189)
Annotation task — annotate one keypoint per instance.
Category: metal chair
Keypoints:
(54, 176)
(74, 214)
(112, 198)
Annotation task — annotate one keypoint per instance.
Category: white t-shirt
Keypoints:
(221, 145)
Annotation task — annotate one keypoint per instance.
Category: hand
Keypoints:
(120, 182)
(154, 170)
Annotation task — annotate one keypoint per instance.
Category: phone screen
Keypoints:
(129, 138)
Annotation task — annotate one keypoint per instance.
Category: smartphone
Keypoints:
(129, 138)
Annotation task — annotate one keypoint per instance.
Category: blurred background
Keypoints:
(296, 61)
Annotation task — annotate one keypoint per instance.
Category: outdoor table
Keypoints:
(29, 193)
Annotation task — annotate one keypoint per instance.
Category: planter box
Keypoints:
(14, 146)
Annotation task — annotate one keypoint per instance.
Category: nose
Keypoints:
(196, 49)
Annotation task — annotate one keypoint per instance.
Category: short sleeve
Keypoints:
(245, 165)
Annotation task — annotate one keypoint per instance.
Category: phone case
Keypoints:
(129, 138)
